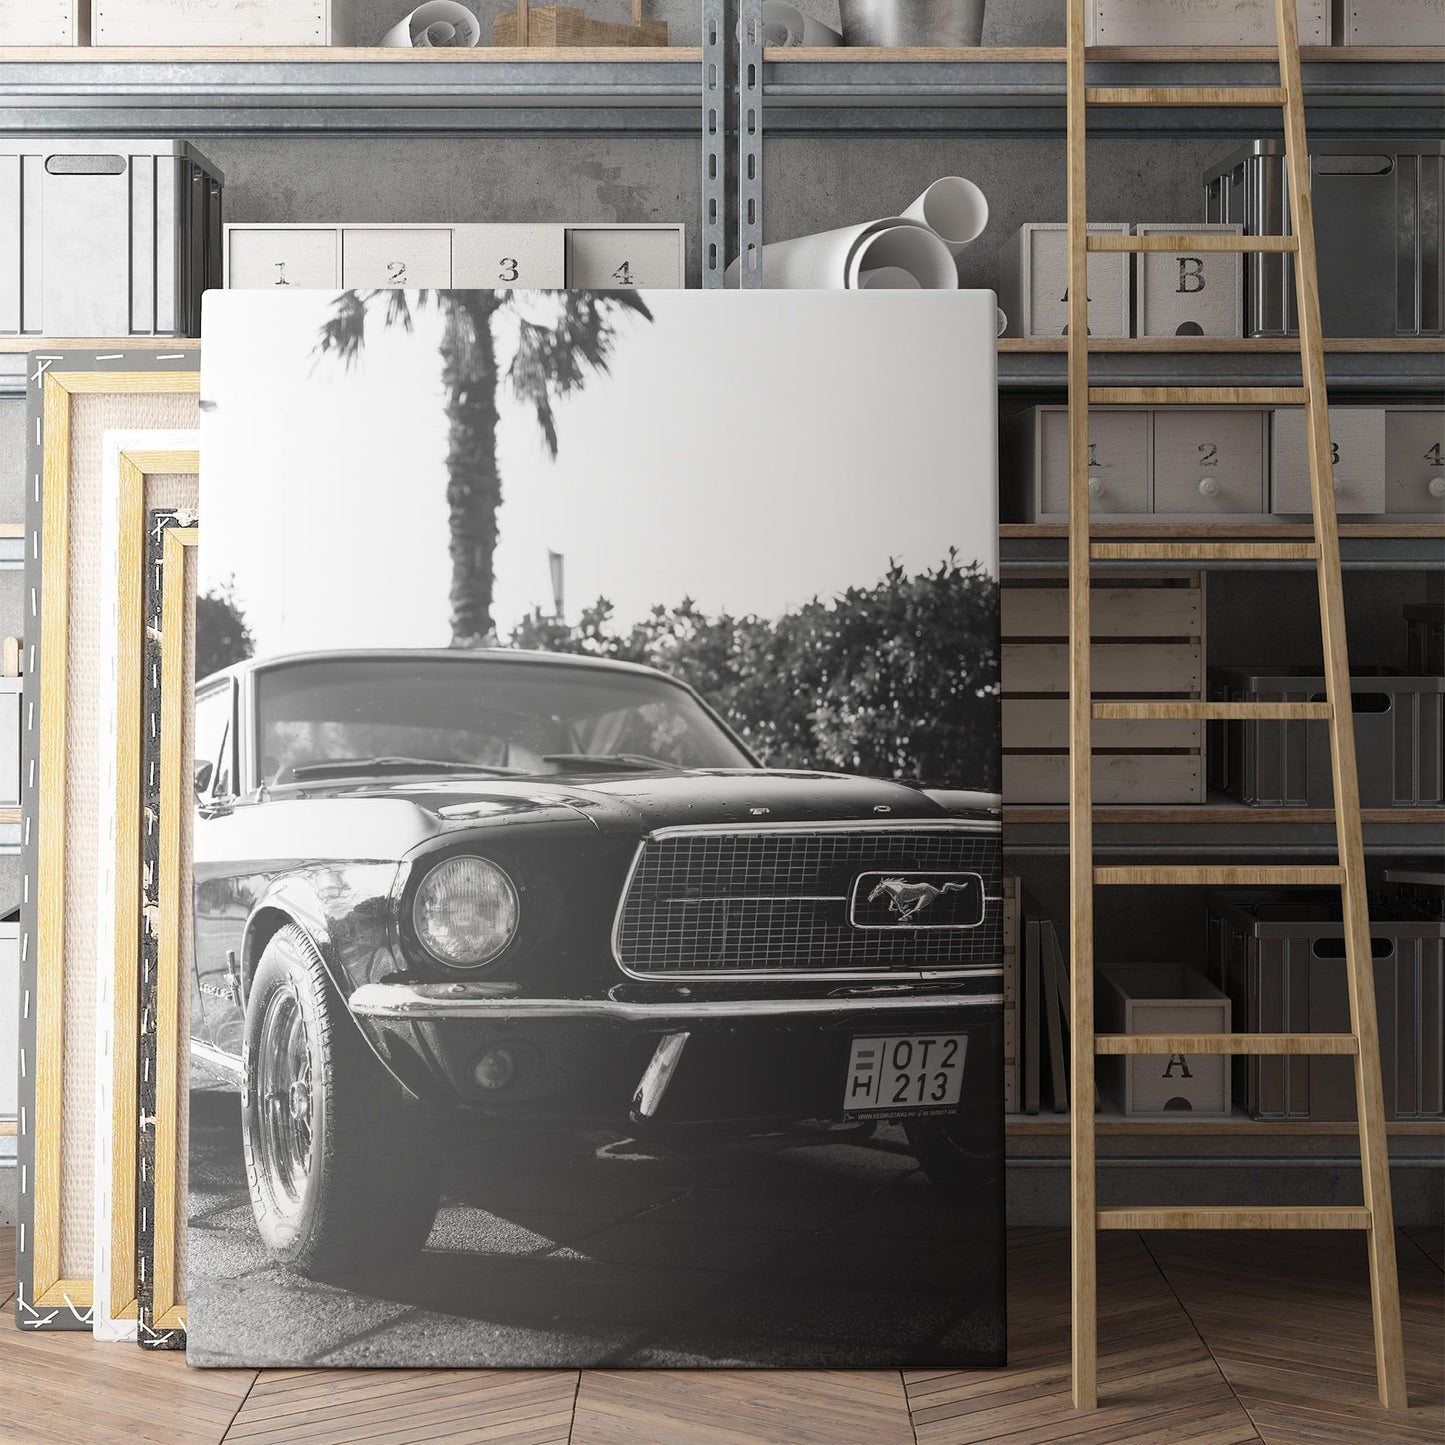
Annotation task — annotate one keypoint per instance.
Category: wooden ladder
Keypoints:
(1376, 1217)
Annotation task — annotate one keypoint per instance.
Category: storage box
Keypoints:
(1188, 293)
(1036, 463)
(1209, 462)
(1425, 637)
(1399, 739)
(1389, 22)
(1377, 217)
(1280, 958)
(1148, 641)
(106, 237)
(1151, 998)
(44, 22)
(1415, 460)
(1033, 287)
(482, 256)
(1200, 22)
(10, 696)
(609, 257)
(221, 22)
(1357, 445)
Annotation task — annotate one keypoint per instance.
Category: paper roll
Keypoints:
(835, 260)
(1002, 320)
(954, 209)
(786, 25)
(437, 25)
(887, 278)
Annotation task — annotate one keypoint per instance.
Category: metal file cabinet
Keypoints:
(106, 237)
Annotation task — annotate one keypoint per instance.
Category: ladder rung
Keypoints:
(1206, 551)
(1222, 1217)
(1218, 711)
(1185, 95)
(1188, 241)
(1247, 876)
(1198, 395)
(1268, 1044)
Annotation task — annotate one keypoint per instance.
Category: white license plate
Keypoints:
(905, 1074)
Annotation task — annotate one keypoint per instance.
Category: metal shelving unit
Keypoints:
(1021, 91)
(1401, 369)
(198, 92)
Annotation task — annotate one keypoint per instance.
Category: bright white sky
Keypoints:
(751, 450)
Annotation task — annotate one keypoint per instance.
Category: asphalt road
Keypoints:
(582, 1250)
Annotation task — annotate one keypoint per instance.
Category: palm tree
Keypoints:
(553, 357)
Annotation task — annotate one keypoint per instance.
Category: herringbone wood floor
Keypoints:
(1205, 1340)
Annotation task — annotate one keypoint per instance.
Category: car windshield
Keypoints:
(351, 715)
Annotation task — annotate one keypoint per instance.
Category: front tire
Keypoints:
(342, 1165)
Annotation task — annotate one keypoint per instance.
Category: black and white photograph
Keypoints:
(597, 848)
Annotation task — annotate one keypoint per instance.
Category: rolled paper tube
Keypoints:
(905, 246)
(829, 260)
(437, 25)
(954, 209)
(786, 25)
(887, 278)
(1002, 320)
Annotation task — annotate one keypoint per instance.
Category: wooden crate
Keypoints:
(56, 22)
(555, 26)
(221, 22)
(1389, 22)
(1148, 637)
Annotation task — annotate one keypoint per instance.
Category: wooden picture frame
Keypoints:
(74, 397)
(162, 924)
(144, 471)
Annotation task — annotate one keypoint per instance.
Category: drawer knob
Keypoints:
(1096, 486)
(1436, 486)
(1208, 487)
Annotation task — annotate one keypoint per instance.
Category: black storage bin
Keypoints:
(1377, 214)
(1425, 637)
(1280, 958)
(1399, 739)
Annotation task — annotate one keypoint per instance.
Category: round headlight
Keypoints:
(465, 912)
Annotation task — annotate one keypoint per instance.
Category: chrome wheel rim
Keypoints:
(285, 1100)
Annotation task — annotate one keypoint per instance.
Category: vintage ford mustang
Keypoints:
(560, 891)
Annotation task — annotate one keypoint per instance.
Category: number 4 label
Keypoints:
(623, 274)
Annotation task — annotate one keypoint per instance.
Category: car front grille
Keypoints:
(776, 902)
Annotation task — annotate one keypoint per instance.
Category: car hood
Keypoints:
(639, 802)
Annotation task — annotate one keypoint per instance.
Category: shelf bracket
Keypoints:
(714, 143)
(750, 144)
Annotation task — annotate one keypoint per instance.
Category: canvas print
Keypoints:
(597, 880)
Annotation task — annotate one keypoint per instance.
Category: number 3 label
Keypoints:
(510, 270)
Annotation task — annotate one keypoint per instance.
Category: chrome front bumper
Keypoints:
(434, 1001)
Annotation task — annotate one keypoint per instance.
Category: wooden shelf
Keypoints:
(1215, 812)
(1228, 345)
(1160, 527)
(1048, 1125)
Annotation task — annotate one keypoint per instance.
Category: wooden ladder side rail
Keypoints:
(1083, 1214)
(1359, 968)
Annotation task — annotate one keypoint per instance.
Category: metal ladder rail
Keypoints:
(1376, 1217)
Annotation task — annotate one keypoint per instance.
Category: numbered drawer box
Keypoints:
(1357, 447)
(1036, 454)
(1415, 459)
(612, 257)
(283, 256)
(221, 22)
(55, 22)
(397, 256)
(1200, 22)
(1389, 22)
(1033, 286)
(1189, 293)
(1208, 462)
(530, 256)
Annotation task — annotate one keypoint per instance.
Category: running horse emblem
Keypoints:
(908, 900)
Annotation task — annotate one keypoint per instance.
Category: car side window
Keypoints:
(213, 751)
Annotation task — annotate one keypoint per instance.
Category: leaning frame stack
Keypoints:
(1348, 874)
